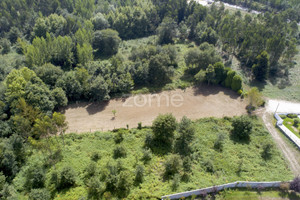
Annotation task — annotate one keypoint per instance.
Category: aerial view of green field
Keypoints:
(149, 99)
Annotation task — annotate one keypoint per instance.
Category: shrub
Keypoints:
(255, 98)
(284, 186)
(175, 182)
(39, 194)
(187, 164)
(219, 143)
(292, 116)
(236, 83)
(282, 116)
(209, 166)
(139, 174)
(90, 170)
(2, 181)
(163, 128)
(147, 155)
(96, 156)
(139, 125)
(5, 45)
(228, 80)
(220, 72)
(67, 178)
(8, 192)
(296, 122)
(119, 152)
(295, 184)
(267, 151)
(242, 127)
(119, 137)
(172, 165)
(148, 140)
(123, 184)
(95, 187)
(54, 179)
(35, 177)
(187, 131)
(240, 92)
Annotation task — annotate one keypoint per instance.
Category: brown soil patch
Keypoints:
(204, 101)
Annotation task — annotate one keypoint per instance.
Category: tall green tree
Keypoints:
(261, 67)
(186, 132)
(106, 42)
(84, 53)
(242, 127)
(210, 74)
(167, 31)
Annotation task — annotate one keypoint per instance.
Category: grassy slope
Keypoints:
(247, 157)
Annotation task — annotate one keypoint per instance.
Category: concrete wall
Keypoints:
(238, 184)
(285, 130)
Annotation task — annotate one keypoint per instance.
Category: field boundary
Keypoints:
(213, 189)
(289, 134)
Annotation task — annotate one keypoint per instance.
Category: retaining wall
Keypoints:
(238, 184)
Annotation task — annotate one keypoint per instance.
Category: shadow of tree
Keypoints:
(207, 90)
(96, 107)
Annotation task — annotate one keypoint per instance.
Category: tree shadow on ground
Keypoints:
(207, 90)
(157, 147)
(260, 85)
(235, 139)
(73, 105)
(96, 107)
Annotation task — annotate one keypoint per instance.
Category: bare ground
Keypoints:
(212, 101)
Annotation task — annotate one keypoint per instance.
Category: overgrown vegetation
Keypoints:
(87, 165)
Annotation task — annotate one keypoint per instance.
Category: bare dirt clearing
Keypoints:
(204, 101)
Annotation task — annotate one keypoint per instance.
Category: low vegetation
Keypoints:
(292, 122)
(126, 164)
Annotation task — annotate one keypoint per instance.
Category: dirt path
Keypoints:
(291, 154)
(195, 103)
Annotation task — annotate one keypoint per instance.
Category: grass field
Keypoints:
(237, 161)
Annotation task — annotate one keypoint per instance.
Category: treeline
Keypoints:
(289, 7)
